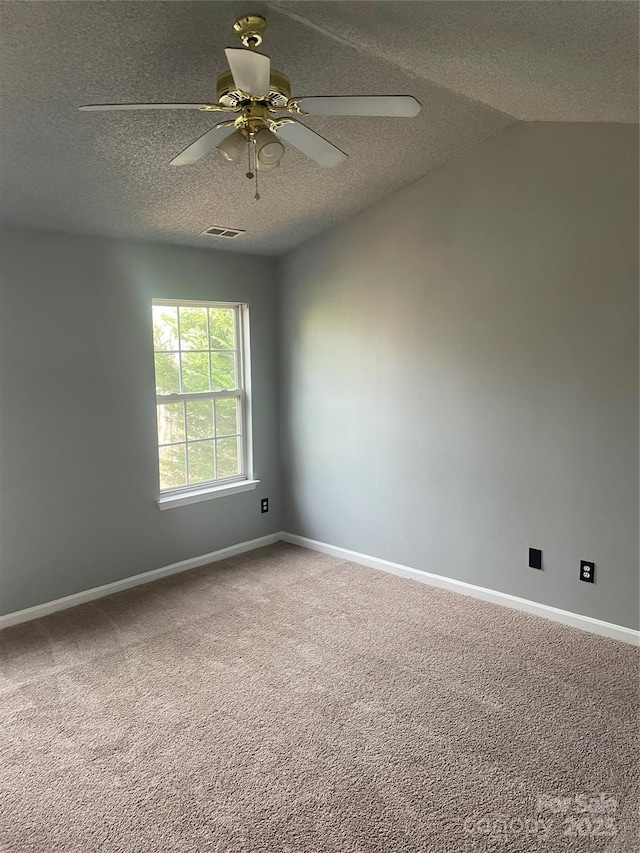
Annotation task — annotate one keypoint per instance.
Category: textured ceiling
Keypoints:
(563, 60)
(475, 67)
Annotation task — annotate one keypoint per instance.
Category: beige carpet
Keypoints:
(289, 701)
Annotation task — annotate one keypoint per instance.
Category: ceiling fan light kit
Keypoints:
(234, 148)
(269, 149)
(257, 95)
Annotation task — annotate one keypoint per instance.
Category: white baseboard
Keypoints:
(586, 623)
(135, 580)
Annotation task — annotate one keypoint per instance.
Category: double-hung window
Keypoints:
(201, 354)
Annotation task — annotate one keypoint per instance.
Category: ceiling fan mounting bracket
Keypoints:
(217, 108)
(250, 29)
(276, 123)
(293, 106)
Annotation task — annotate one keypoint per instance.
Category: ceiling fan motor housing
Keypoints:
(279, 91)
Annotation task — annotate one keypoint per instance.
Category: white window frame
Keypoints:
(245, 481)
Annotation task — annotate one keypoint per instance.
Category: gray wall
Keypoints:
(460, 371)
(459, 379)
(78, 462)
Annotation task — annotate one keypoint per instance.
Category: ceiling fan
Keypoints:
(256, 95)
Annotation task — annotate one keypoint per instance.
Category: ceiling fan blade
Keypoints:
(251, 71)
(312, 144)
(205, 143)
(401, 105)
(105, 107)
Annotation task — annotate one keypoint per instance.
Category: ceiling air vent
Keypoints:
(218, 231)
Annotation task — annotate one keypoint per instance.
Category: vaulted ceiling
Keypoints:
(476, 67)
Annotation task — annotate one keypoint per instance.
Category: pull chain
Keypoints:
(254, 173)
(257, 195)
(249, 172)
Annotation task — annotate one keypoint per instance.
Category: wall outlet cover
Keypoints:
(535, 558)
(587, 571)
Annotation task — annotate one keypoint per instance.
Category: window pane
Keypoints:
(226, 417)
(193, 328)
(199, 419)
(167, 373)
(172, 466)
(170, 423)
(195, 371)
(165, 327)
(223, 371)
(221, 326)
(227, 457)
(201, 461)
(196, 352)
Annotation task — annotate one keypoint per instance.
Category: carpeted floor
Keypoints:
(288, 701)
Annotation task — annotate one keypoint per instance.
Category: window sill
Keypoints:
(184, 498)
